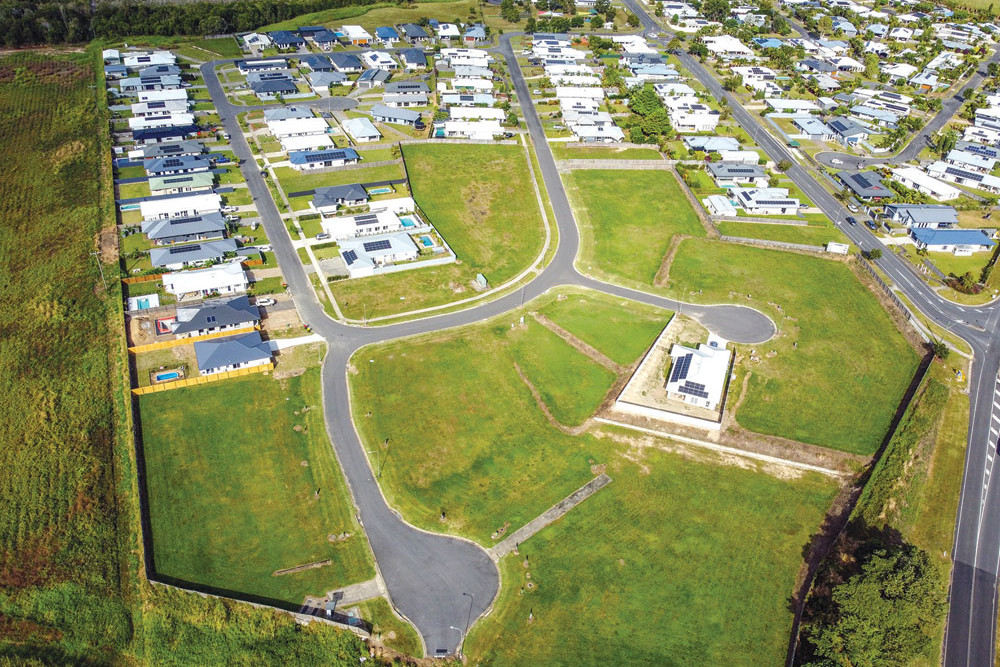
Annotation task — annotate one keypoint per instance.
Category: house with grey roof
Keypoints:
(710, 144)
(329, 199)
(412, 59)
(232, 353)
(926, 216)
(181, 164)
(372, 78)
(323, 81)
(728, 175)
(185, 229)
(813, 128)
(407, 88)
(846, 131)
(214, 316)
(286, 113)
(364, 256)
(403, 101)
(175, 149)
(384, 114)
(413, 33)
(866, 185)
(347, 63)
(177, 257)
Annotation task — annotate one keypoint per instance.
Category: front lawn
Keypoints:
(242, 482)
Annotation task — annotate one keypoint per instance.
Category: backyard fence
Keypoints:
(201, 379)
(885, 287)
(775, 244)
(163, 344)
(131, 280)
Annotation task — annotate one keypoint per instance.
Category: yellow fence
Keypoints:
(202, 379)
(184, 341)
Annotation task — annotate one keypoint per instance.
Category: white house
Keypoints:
(173, 207)
(728, 47)
(361, 130)
(477, 130)
(297, 127)
(365, 256)
(227, 278)
(764, 201)
(688, 114)
(719, 205)
(379, 60)
(913, 177)
(476, 113)
(698, 376)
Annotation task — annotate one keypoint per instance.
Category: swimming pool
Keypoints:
(143, 304)
(163, 377)
(427, 241)
(380, 191)
(408, 221)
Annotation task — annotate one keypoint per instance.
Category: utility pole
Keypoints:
(97, 259)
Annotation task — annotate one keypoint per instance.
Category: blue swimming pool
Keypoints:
(172, 375)
(408, 221)
(427, 241)
(143, 304)
(380, 191)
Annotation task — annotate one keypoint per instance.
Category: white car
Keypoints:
(265, 302)
(836, 161)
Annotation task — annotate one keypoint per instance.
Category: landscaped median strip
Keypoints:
(201, 379)
(548, 516)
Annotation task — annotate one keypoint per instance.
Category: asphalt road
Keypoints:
(439, 583)
(971, 629)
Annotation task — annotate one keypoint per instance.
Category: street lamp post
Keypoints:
(468, 620)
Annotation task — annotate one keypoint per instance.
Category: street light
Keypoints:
(468, 620)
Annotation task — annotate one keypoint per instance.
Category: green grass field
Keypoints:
(567, 151)
(481, 200)
(817, 236)
(230, 509)
(492, 457)
(677, 561)
(627, 220)
(837, 343)
(292, 180)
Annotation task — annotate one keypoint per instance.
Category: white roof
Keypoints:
(934, 187)
(221, 277)
(599, 132)
(467, 113)
(448, 30)
(727, 44)
(360, 127)
(206, 202)
(708, 366)
(162, 95)
(789, 104)
(289, 126)
(306, 142)
(719, 205)
(171, 120)
(481, 129)
(355, 32)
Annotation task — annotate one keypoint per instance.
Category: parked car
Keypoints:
(229, 209)
(536, 92)
(222, 159)
(836, 161)
(871, 225)
(852, 220)
(265, 302)
(852, 207)
(322, 236)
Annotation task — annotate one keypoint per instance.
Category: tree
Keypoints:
(780, 26)
(825, 25)
(633, 20)
(885, 614)
(732, 83)
(784, 165)
(946, 142)
(658, 12)
(941, 350)
(874, 254)
(674, 44)
(715, 10)
(993, 69)
(531, 25)
(509, 11)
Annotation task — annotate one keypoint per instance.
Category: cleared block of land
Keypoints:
(836, 372)
(575, 152)
(481, 200)
(242, 483)
(628, 220)
(467, 437)
(678, 561)
(808, 235)
(292, 180)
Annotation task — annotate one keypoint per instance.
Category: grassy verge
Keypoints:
(229, 510)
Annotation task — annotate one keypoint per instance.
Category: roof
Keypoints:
(700, 373)
(175, 163)
(279, 86)
(405, 115)
(811, 125)
(215, 313)
(865, 184)
(952, 237)
(846, 127)
(316, 61)
(192, 252)
(402, 87)
(336, 194)
(385, 32)
(363, 251)
(360, 127)
(188, 225)
(173, 149)
(345, 61)
(213, 278)
(413, 56)
(230, 351)
(285, 37)
(711, 144)
(926, 213)
(144, 133)
(374, 75)
(324, 37)
(413, 31)
(725, 170)
(308, 157)
(284, 113)
(198, 179)
(321, 79)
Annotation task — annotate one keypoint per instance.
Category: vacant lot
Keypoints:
(466, 435)
(242, 482)
(817, 235)
(576, 152)
(481, 200)
(677, 561)
(292, 180)
(839, 367)
(628, 220)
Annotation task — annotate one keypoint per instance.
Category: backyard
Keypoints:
(229, 510)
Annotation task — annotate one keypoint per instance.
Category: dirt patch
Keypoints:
(302, 568)
(662, 278)
(292, 373)
(578, 344)
(107, 245)
(571, 430)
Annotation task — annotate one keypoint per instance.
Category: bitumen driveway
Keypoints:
(438, 582)
(971, 630)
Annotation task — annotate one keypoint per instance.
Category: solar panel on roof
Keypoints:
(185, 248)
(367, 219)
(690, 388)
(182, 221)
(177, 179)
(955, 171)
(381, 244)
(680, 369)
(172, 162)
(350, 257)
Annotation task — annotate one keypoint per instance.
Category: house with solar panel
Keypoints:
(175, 258)
(764, 201)
(311, 160)
(227, 278)
(232, 353)
(202, 181)
(367, 255)
(387, 216)
(698, 376)
(185, 229)
(733, 175)
(214, 316)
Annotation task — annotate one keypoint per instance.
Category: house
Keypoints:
(448, 31)
(698, 376)
(739, 157)
(356, 35)
(844, 26)
(177, 257)
(813, 128)
(379, 60)
(179, 164)
(478, 85)
(324, 39)
(263, 65)
(982, 135)
(172, 120)
(978, 149)
(386, 35)
(403, 101)
(162, 95)
(175, 207)
(410, 88)
(764, 201)
(372, 78)
(323, 81)
(136, 84)
(944, 60)
(381, 221)
(185, 229)
(159, 70)
(711, 144)
(219, 355)
(365, 256)
(493, 113)
(471, 72)
(960, 242)
(160, 108)
(475, 34)
(309, 31)
(719, 205)
(168, 185)
(879, 117)
(286, 39)
(597, 132)
(257, 40)
(328, 200)
(177, 149)
(113, 72)
(153, 135)
(845, 64)
(900, 34)
(926, 183)
(925, 81)
(317, 62)
(788, 105)
(898, 72)
(348, 63)
(225, 278)
(361, 130)
(665, 90)
(297, 127)
(923, 216)
(732, 175)
(324, 159)
(958, 175)
(286, 112)
(728, 47)
(866, 185)
(846, 131)
(412, 59)
(111, 56)
(467, 99)
(688, 114)
(384, 114)
(214, 316)
(140, 60)
(482, 130)
(971, 161)
(272, 88)
(815, 65)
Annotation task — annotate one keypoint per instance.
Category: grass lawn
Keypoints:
(311, 227)
(238, 197)
(481, 200)
(292, 180)
(818, 236)
(131, 172)
(677, 561)
(491, 457)
(389, 629)
(229, 510)
(224, 46)
(131, 190)
(567, 151)
(267, 286)
(628, 219)
(381, 14)
(846, 345)
(949, 264)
